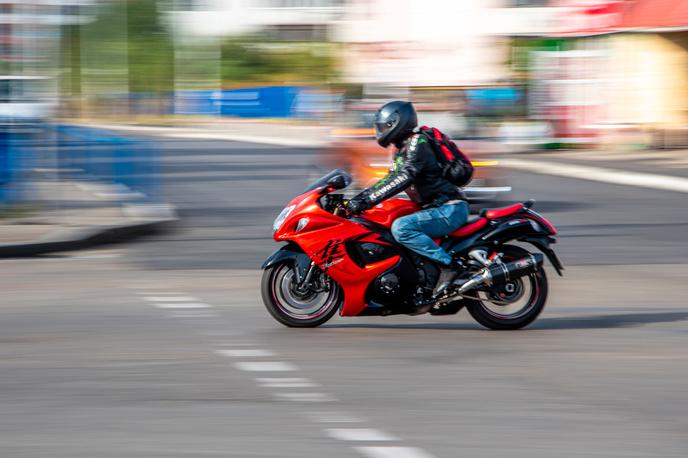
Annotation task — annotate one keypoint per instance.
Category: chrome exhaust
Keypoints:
(501, 273)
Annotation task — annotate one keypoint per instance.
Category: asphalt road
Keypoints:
(162, 348)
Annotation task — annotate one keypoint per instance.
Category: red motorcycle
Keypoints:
(334, 261)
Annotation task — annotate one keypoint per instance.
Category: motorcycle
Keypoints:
(335, 261)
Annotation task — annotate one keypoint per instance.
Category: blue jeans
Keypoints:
(416, 231)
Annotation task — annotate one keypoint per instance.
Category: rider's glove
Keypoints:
(354, 206)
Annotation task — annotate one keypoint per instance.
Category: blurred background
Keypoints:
(193, 122)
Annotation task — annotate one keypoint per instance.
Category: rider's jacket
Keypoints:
(415, 170)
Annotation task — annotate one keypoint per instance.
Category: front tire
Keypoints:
(533, 287)
(295, 308)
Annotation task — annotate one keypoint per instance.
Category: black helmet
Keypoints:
(394, 122)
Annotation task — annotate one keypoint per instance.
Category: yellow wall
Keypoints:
(649, 79)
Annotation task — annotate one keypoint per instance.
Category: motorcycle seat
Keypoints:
(472, 226)
(500, 212)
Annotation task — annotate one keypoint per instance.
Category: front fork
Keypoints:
(306, 284)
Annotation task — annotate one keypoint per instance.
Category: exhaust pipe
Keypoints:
(499, 274)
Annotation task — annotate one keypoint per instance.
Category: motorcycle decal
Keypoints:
(330, 254)
(330, 264)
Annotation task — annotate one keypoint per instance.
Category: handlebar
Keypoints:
(340, 211)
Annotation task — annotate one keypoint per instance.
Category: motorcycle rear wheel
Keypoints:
(533, 287)
(294, 308)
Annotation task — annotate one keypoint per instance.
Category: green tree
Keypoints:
(128, 38)
(255, 59)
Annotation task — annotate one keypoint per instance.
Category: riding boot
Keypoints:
(447, 276)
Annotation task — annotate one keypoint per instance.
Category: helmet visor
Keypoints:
(382, 128)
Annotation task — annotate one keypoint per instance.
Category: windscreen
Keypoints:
(326, 179)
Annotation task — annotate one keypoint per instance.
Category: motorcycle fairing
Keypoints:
(292, 252)
(323, 239)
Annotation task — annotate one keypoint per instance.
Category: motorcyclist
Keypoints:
(415, 169)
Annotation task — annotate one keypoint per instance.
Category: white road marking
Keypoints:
(205, 134)
(265, 366)
(183, 305)
(226, 333)
(158, 293)
(252, 353)
(305, 397)
(194, 315)
(229, 344)
(359, 434)
(393, 452)
(177, 302)
(333, 417)
(285, 382)
(614, 176)
(170, 299)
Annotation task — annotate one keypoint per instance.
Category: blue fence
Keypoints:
(259, 102)
(77, 153)
(16, 157)
(88, 153)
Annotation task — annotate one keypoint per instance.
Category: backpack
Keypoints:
(457, 168)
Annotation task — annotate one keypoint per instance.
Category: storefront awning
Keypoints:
(655, 15)
(621, 16)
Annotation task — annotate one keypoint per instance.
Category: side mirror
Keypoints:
(337, 182)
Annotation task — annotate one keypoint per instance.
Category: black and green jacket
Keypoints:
(415, 169)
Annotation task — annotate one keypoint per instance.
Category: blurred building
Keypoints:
(282, 19)
(431, 43)
(30, 53)
(603, 70)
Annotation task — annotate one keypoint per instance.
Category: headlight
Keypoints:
(281, 217)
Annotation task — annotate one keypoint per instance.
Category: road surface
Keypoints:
(162, 348)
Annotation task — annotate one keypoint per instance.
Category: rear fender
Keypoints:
(293, 254)
(528, 231)
(543, 244)
(514, 229)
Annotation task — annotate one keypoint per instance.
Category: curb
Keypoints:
(79, 239)
(196, 134)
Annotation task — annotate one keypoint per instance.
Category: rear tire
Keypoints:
(486, 316)
(294, 310)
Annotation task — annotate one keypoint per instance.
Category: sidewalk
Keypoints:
(669, 162)
(83, 219)
(268, 132)
(665, 170)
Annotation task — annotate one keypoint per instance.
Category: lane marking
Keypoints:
(393, 452)
(252, 353)
(265, 366)
(194, 315)
(230, 344)
(226, 333)
(342, 434)
(158, 293)
(183, 305)
(359, 434)
(170, 299)
(285, 382)
(333, 417)
(204, 134)
(614, 176)
(305, 397)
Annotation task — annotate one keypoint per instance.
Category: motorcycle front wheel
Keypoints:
(295, 307)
